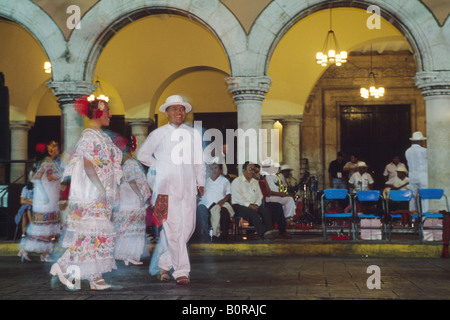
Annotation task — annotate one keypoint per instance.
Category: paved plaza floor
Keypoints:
(232, 278)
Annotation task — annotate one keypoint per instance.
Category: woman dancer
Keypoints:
(95, 175)
(129, 219)
(44, 225)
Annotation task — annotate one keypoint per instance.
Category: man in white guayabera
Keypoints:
(174, 154)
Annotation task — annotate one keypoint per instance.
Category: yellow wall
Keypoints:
(22, 62)
(293, 68)
(140, 61)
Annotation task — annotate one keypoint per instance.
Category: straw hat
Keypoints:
(402, 169)
(417, 136)
(285, 167)
(361, 164)
(175, 100)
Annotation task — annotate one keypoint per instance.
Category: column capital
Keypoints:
(20, 124)
(291, 119)
(433, 83)
(249, 88)
(140, 121)
(69, 91)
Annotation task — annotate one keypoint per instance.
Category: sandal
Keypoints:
(183, 280)
(164, 275)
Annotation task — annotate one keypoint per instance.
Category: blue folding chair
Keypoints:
(374, 197)
(332, 195)
(430, 194)
(399, 198)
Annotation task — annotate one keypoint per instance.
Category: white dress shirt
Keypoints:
(215, 190)
(245, 192)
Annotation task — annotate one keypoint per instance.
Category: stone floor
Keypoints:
(245, 278)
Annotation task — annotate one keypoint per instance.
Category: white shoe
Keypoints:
(46, 258)
(56, 271)
(23, 255)
(98, 285)
(136, 263)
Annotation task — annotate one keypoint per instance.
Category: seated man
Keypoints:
(400, 182)
(283, 198)
(361, 180)
(246, 198)
(215, 201)
(275, 207)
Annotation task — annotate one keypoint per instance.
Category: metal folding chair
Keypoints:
(376, 212)
(430, 194)
(400, 197)
(332, 195)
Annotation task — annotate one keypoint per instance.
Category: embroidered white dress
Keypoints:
(129, 219)
(89, 233)
(42, 232)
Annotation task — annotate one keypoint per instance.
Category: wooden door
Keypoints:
(376, 134)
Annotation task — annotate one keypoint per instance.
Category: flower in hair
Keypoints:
(40, 147)
(81, 106)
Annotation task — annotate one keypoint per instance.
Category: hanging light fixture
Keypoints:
(330, 53)
(373, 91)
(103, 97)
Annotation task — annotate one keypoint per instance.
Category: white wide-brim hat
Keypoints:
(417, 136)
(175, 100)
(361, 164)
(285, 167)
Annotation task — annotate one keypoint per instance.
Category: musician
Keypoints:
(400, 182)
(361, 180)
(279, 193)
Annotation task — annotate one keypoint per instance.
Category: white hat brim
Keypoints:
(423, 139)
(163, 107)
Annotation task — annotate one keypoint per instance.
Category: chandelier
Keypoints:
(330, 53)
(103, 97)
(373, 91)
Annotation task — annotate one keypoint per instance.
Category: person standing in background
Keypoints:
(417, 160)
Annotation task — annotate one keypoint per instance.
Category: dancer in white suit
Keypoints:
(174, 153)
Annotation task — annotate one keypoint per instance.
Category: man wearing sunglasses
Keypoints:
(246, 198)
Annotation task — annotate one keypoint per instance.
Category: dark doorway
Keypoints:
(220, 121)
(44, 130)
(375, 134)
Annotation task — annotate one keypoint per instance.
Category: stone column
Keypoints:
(248, 94)
(139, 129)
(435, 88)
(266, 143)
(19, 149)
(71, 123)
(291, 144)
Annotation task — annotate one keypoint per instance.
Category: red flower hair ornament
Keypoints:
(81, 106)
(40, 147)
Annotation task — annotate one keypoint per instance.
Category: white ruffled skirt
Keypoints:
(89, 239)
(130, 233)
(42, 233)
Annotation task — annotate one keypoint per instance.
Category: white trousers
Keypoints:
(288, 204)
(175, 233)
(416, 183)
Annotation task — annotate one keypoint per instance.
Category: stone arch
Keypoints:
(280, 16)
(87, 43)
(30, 16)
(164, 84)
